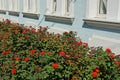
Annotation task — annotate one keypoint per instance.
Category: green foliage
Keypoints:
(30, 54)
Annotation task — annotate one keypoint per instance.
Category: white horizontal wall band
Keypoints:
(106, 39)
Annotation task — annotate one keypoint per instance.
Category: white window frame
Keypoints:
(54, 7)
(2, 4)
(27, 8)
(13, 5)
(112, 10)
(112, 18)
(61, 8)
(68, 6)
(101, 15)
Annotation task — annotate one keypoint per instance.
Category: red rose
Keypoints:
(61, 53)
(97, 70)
(80, 42)
(18, 58)
(69, 39)
(11, 58)
(117, 63)
(3, 52)
(49, 53)
(111, 55)
(33, 30)
(55, 65)
(8, 51)
(94, 74)
(85, 45)
(14, 71)
(33, 51)
(11, 28)
(26, 59)
(75, 39)
(42, 52)
(108, 50)
(73, 79)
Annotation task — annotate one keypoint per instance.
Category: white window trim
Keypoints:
(3, 6)
(112, 18)
(33, 10)
(98, 14)
(61, 9)
(13, 5)
(60, 15)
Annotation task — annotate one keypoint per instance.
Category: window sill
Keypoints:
(31, 15)
(2, 11)
(14, 13)
(61, 19)
(106, 23)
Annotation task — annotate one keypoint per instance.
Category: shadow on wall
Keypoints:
(85, 25)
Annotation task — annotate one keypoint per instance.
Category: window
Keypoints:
(30, 6)
(2, 5)
(68, 7)
(13, 5)
(54, 6)
(60, 10)
(105, 13)
(102, 6)
(63, 8)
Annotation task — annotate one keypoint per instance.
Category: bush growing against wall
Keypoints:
(29, 55)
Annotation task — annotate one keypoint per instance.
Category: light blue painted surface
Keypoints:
(79, 12)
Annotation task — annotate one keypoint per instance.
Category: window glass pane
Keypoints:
(68, 6)
(102, 6)
(29, 2)
(13, 4)
(54, 5)
(2, 4)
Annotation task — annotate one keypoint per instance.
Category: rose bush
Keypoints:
(30, 54)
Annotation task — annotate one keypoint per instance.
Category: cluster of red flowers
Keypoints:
(14, 71)
(117, 63)
(26, 59)
(73, 78)
(43, 52)
(108, 50)
(18, 59)
(62, 53)
(25, 30)
(83, 43)
(6, 52)
(95, 73)
(55, 65)
(33, 51)
(111, 55)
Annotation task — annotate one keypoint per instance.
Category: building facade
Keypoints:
(95, 21)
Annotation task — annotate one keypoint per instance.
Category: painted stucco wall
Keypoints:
(108, 37)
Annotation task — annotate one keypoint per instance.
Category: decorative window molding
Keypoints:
(30, 9)
(30, 6)
(106, 16)
(60, 10)
(2, 6)
(106, 23)
(13, 5)
(102, 8)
